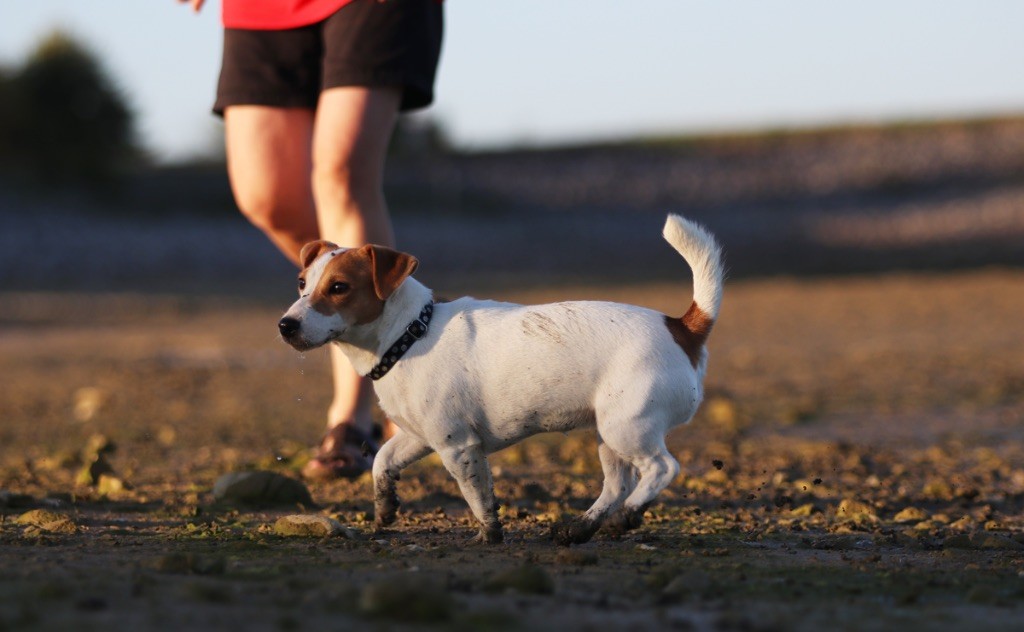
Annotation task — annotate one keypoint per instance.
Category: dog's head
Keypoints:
(341, 288)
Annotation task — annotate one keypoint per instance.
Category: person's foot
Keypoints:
(344, 452)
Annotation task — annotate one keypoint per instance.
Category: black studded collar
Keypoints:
(413, 332)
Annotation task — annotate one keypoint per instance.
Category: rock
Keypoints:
(109, 485)
(47, 521)
(856, 512)
(910, 514)
(260, 487)
(310, 526)
(803, 511)
(413, 599)
(528, 580)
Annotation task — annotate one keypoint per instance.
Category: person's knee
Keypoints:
(273, 212)
(349, 183)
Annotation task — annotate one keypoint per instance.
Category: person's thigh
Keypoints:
(350, 141)
(353, 127)
(269, 165)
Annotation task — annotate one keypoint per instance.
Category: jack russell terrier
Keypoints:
(469, 377)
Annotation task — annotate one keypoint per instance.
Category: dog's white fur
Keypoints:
(489, 374)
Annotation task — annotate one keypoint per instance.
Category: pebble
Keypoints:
(311, 526)
(47, 521)
(260, 487)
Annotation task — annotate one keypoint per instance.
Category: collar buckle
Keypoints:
(417, 329)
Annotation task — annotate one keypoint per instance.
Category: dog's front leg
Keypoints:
(469, 466)
(395, 455)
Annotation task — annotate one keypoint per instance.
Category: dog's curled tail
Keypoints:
(704, 255)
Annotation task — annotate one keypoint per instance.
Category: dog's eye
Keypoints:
(302, 284)
(339, 287)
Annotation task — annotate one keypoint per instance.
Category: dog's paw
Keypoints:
(385, 510)
(385, 516)
(489, 535)
(623, 520)
(575, 531)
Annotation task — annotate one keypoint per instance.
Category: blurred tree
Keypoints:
(63, 120)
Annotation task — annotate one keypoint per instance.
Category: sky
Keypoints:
(548, 72)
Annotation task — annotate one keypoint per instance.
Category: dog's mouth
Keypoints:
(292, 334)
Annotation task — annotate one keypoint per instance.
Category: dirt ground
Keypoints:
(857, 464)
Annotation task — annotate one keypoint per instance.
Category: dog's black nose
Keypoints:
(289, 326)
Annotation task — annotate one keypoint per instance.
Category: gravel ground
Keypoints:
(854, 465)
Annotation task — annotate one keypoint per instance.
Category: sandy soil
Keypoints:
(857, 464)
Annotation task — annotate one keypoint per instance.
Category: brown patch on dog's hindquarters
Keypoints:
(691, 331)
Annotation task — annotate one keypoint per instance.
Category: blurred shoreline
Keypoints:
(938, 196)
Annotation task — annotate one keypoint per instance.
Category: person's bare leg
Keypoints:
(350, 139)
(269, 155)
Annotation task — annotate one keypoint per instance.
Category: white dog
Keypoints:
(469, 377)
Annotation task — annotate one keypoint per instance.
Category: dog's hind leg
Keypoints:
(396, 454)
(469, 466)
(619, 481)
(657, 471)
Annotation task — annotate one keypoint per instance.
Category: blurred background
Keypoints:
(812, 138)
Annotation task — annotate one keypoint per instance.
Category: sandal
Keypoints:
(344, 452)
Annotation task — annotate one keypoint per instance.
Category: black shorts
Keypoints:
(369, 43)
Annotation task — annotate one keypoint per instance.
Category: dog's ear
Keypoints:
(390, 268)
(314, 249)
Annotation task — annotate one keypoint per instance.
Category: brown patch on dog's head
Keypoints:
(357, 282)
(314, 249)
(691, 331)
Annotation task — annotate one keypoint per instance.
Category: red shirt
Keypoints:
(266, 15)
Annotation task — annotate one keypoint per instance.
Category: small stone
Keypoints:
(309, 526)
(527, 580)
(856, 512)
(910, 514)
(260, 487)
(109, 485)
(803, 511)
(47, 521)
